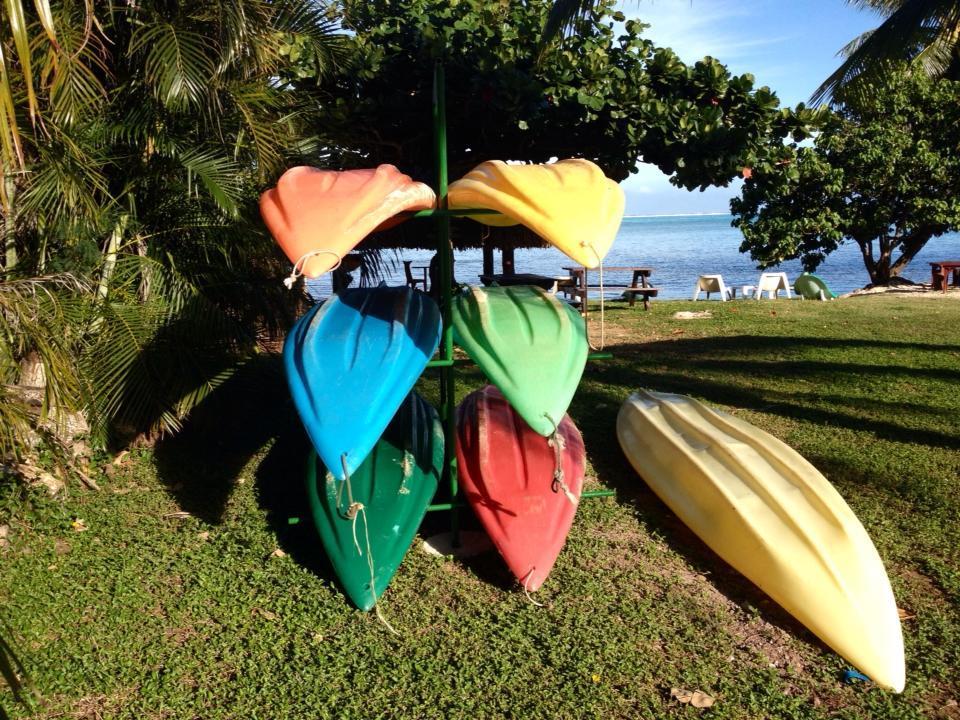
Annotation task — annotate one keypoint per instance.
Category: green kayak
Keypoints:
(530, 344)
(377, 515)
(810, 287)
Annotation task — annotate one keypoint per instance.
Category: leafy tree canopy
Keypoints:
(613, 98)
(885, 175)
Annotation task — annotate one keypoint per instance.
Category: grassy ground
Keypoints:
(173, 602)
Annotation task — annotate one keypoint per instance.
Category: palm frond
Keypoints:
(149, 363)
(77, 72)
(911, 27)
(65, 181)
(177, 63)
(11, 668)
(563, 15)
(21, 41)
(218, 174)
(39, 316)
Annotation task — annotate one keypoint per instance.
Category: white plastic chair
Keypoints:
(772, 284)
(712, 284)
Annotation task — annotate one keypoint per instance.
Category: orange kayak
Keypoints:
(318, 216)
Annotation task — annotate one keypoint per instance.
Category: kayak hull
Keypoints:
(771, 515)
(810, 287)
(318, 216)
(395, 484)
(507, 474)
(570, 203)
(351, 362)
(528, 343)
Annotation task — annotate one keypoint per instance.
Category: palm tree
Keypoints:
(134, 139)
(924, 32)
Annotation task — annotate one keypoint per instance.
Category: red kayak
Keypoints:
(509, 475)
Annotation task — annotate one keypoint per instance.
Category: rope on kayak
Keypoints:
(559, 483)
(355, 510)
(526, 580)
(586, 300)
(298, 266)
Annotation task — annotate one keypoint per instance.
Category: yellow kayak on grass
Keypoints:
(769, 513)
(571, 204)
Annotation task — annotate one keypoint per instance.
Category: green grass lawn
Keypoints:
(173, 602)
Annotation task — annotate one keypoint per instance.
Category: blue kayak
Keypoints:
(350, 363)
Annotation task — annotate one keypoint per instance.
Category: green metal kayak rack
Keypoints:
(446, 363)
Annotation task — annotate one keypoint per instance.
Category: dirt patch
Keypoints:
(769, 642)
(178, 636)
(920, 291)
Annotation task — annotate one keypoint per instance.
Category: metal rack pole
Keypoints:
(445, 258)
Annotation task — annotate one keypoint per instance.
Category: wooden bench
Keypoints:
(646, 292)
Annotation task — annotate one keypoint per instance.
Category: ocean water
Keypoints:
(678, 249)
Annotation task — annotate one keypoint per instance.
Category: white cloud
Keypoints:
(695, 28)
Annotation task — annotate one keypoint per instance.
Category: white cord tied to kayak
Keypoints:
(355, 510)
(559, 483)
(586, 299)
(526, 591)
(298, 266)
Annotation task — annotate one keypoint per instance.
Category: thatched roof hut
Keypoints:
(465, 234)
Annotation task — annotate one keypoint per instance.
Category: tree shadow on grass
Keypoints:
(248, 416)
(596, 416)
(201, 463)
(678, 366)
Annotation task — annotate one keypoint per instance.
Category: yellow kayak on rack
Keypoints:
(571, 204)
(769, 513)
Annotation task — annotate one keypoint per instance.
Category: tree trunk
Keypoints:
(110, 259)
(866, 249)
(883, 269)
(908, 251)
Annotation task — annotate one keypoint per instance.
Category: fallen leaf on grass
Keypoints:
(61, 547)
(203, 535)
(694, 697)
(4, 531)
(678, 331)
(38, 476)
(905, 614)
(79, 524)
(179, 515)
(121, 456)
(278, 553)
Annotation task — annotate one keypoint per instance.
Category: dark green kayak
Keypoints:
(394, 486)
(529, 343)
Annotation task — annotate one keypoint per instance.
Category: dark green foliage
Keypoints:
(611, 97)
(160, 124)
(884, 174)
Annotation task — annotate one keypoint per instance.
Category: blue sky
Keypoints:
(788, 46)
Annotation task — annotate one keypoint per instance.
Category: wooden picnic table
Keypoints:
(940, 273)
(639, 284)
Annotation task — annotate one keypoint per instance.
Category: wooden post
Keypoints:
(506, 260)
(487, 258)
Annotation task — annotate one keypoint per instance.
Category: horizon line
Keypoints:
(696, 214)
